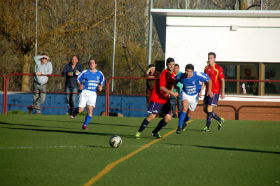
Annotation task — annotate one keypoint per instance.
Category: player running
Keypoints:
(160, 101)
(216, 74)
(89, 81)
(192, 89)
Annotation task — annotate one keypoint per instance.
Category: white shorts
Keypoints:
(87, 97)
(192, 99)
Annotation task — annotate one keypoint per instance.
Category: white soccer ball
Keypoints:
(115, 141)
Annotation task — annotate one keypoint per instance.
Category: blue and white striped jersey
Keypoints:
(91, 80)
(192, 85)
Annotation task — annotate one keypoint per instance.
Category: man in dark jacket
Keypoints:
(70, 71)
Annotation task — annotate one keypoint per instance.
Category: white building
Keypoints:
(247, 44)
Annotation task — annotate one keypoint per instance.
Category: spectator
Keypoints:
(151, 73)
(176, 101)
(42, 67)
(70, 71)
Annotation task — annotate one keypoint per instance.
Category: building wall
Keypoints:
(233, 39)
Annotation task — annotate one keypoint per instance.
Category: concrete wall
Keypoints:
(233, 39)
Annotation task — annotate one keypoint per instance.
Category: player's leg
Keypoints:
(211, 103)
(162, 123)
(187, 118)
(87, 117)
(193, 101)
(153, 110)
(179, 104)
(173, 105)
(183, 114)
(205, 104)
(91, 101)
(82, 104)
(146, 122)
(166, 110)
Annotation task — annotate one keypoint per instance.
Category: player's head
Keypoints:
(92, 64)
(211, 58)
(189, 70)
(170, 62)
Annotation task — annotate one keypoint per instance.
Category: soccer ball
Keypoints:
(115, 141)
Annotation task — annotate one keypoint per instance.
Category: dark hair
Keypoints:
(92, 59)
(177, 65)
(151, 65)
(75, 56)
(189, 66)
(212, 53)
(169, 60)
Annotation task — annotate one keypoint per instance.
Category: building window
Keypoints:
(271, 69)
(251, 71)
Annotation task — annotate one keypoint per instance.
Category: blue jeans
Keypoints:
(71, 98)
(176, 102)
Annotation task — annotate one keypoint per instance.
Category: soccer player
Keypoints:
(217, 85)
(192, 89)
(89, 82)
(160, 101)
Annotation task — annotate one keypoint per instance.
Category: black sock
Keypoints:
(144, 124)
(216, 117)
(75, 111)
(209, 118)
(160, 125)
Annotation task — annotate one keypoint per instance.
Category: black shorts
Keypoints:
(156, 108)
(211, 101)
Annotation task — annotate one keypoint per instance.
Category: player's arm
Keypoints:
(202, 88)
(223, 88)
(102, 82)
(80, 85)
(210, 93)
(169, 92)
(79, 81)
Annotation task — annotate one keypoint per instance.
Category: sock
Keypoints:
(87, 119)
(160, 125)
(181, 119)
(144, 124)
(216, 117)
(75, 111)
(209, 118)
(187, 119)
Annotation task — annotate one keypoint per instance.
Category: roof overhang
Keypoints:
(216, 13)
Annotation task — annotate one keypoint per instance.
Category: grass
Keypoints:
(48, 150)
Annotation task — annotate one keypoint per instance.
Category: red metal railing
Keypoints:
(6, 85)
(4, 94)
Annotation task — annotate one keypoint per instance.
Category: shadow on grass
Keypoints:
(57, 131)
(71, 121)
(235, 149)
(29, 125)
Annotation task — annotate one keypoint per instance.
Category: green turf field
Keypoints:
(47, 150)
